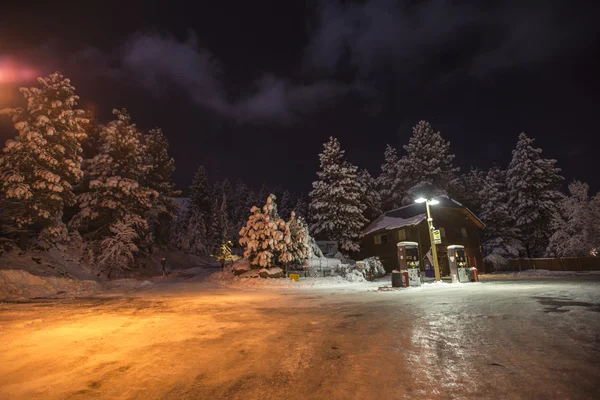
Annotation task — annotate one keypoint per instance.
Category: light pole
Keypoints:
(436, 265)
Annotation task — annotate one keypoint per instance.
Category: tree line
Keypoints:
(525, 212)
(65, 174)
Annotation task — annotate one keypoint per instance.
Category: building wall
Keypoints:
(450, 219)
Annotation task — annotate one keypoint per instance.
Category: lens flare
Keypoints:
(14, 72)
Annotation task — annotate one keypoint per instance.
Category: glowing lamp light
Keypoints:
(432, 202)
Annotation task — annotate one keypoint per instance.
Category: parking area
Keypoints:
(507, 339)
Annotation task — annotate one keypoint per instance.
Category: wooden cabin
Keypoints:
(457, 225)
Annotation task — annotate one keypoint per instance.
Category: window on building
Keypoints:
(401, 235)
(381, 238)
(463, 233)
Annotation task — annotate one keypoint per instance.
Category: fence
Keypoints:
(552, 264)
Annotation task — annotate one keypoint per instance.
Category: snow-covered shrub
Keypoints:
(372, 267)
(342, 270)
(348, 272)
(117, 251)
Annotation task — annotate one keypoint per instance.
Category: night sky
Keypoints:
(251, 89)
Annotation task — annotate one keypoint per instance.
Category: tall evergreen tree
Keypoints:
(467, 189)
(241, 208)
(191, 229)
(301, 207)
(112, 188)
(219, 223)
(392, 181)
(336, 207)
(41, 165)
(500, 236)
(533, 184)
(371, 198)
(160, 179)
(200, 193)
(428, 162)
(286, 204)
(576, 224)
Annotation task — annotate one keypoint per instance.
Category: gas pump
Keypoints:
(408, 259)
(458, 263)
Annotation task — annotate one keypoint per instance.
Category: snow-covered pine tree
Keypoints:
(500, 236)
(371, 198)
(392, 181)
(191, 229)
(286, 204)
(41, 165)
(200, 193)
(112, 188)
(262, 235)
(219, 223)
(336, 207)
(428, 163)
(298, 247)
(227, 191)
(467, 188)
(191, 234)
(576, 224)
(241, 209)
(533, 187)
(159, 178)
(301, 207)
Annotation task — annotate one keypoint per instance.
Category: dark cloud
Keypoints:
(478, 39)
(158, 62)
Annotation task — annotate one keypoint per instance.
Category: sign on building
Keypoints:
(437, 237)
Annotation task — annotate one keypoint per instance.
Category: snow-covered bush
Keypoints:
(117, 251)
(372, 267)
(349, 272)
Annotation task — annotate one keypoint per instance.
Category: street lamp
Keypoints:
(433, 202)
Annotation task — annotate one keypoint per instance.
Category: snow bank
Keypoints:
(18, 284)
(351, 281)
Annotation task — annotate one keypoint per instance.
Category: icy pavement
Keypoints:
(191, 339)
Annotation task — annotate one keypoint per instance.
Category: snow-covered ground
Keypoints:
(185, 337)
(529, 273)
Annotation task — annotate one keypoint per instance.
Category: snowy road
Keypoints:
(531, 339)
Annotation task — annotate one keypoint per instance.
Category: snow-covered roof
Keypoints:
(386, 223)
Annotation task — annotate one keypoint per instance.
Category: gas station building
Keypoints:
(387, 236)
